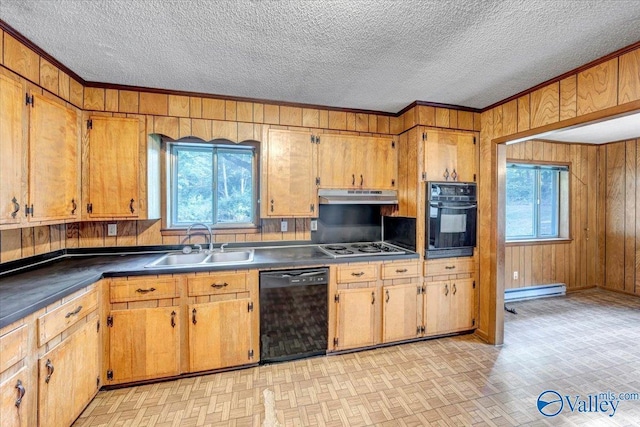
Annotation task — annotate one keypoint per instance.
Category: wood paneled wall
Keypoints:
(622, 216)
(608, 87)
(578, 263)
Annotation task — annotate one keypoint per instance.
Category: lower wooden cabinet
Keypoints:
(449, 306)
(220, 334)
(144, 343)
(16, 399)
(68, 377)
(355, 318)
(402, 306)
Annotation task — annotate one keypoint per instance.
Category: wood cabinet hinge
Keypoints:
(312, 207)
(89, 124)
(110, 375)
(335, 342)
(424, 289)
(424, 136)
(418, 330)
(28, 210)
(98, 326)
(336, 298)
(250, 306)
(393, 144)
(317, 180)
(424, 176)
(419, 290)
(423, 329)
(474, 284)
(98, 382)
(250, 354)
(313, 139)
(474, 177)
(393, 182)
(473, 322)
(89, 207)
(110, 321)
(317, 140)
(29, 100)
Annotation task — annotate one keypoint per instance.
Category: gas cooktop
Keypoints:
(340, 250)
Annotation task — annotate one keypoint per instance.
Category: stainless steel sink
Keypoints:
(178, 259)
(202, 259)
(230, 256)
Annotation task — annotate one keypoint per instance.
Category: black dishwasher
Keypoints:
(293, 314)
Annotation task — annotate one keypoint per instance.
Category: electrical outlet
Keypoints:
(314, 225)
(515, 275)
(112, 229)
(284, 226)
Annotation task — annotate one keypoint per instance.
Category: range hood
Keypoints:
(358, 197)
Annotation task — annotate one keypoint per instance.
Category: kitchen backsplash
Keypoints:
(348, 223)
(400, 231)
(25, 242)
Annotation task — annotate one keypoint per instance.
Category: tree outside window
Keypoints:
(212, 183)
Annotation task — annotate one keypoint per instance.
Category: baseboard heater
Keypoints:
(531, 292)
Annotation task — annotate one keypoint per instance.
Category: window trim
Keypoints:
(168, 177)
(563, 212)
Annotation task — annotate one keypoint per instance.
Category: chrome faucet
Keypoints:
(222, 246)
(199, 224)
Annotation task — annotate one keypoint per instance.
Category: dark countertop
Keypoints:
(25, 291)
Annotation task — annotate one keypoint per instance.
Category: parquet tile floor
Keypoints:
(585, 343)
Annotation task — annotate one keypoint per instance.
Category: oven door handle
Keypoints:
(457, 207)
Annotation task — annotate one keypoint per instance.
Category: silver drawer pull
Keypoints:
(145, 291)
(358, 274)
(74, 312)
(401, 270)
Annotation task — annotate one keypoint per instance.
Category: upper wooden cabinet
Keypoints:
(290, 159)
(54, 162)
(112, 185)
(364, 162)
(449, 156)
(12, 108)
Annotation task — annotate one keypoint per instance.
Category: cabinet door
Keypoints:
(67, 377)
(11, 146)
(114, 189)
(219, 334)
(337, 161)
(446, 152)
(467, 156)
(437, 308)
(381, 168)
(16, 395)
(144, 343)
(462, 304)
(400, 312)
(53, 162)
(355, 320)
(291, 174)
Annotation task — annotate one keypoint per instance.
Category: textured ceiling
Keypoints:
(374, 55)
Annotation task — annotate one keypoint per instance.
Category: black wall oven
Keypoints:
(451, 219)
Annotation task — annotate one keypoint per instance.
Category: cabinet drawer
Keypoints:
(13, 347)
(222, 283)
(142, 289)
(447, 266)
(58, 320)
(400, 270)
(357, 273)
